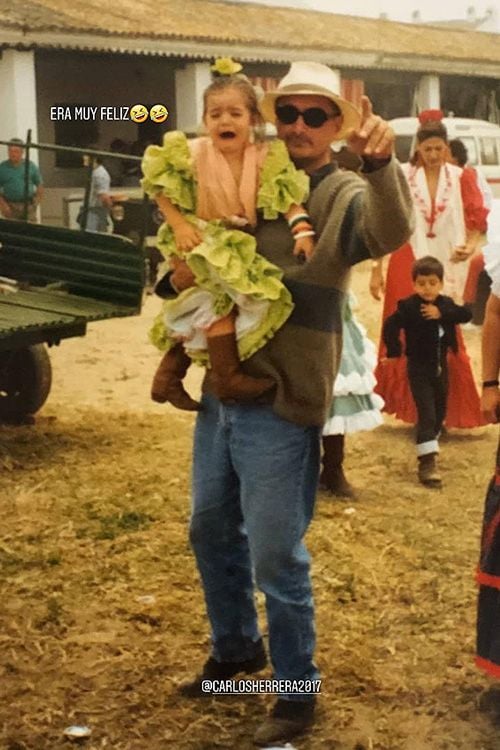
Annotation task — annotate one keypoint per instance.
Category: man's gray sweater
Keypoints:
(354, 219)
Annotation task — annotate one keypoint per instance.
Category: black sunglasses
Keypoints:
(314, 117)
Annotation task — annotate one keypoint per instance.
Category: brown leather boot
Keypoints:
(286, 721)
(332, 477)
(167, 382)
(428, 473)
(227, 378)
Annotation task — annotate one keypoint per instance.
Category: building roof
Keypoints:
(206, 28)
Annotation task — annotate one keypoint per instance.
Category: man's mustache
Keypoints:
(297, 140)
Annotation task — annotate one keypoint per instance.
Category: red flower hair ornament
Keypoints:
(430, 115)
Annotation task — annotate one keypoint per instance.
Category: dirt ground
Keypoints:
(102, 614)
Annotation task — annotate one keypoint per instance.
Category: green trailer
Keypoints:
(53, 282)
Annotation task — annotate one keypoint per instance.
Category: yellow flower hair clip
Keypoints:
(226, 66)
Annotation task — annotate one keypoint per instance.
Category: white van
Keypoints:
(481, 138)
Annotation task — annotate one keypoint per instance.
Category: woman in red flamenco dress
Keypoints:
(449, 219)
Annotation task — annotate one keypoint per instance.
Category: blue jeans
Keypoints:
(254, 486)
(97, 219)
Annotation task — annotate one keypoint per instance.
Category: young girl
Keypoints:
(205, 188)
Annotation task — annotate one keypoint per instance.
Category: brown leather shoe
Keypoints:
(167, 382)
(286, 720)
(226, 376)
(428, 473)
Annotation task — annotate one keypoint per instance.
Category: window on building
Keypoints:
(74, 132)
(489, 151)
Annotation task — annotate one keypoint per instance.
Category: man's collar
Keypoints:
(320, 174)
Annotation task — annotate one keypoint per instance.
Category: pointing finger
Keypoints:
(366, 114)
(366, 108)
(379, 138)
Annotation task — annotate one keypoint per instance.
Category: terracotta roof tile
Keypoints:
(247, 24)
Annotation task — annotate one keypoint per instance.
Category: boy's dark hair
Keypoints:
(427, 266)
(459, 151)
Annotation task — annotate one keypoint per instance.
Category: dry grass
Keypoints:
(95, 504)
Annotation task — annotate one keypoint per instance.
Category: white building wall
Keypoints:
(18, 97)
(190, 83)
(428, 93)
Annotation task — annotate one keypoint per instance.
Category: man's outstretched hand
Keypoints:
(374, 137)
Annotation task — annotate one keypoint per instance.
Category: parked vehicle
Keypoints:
(139, 219)
(481, 138)
(53, 281)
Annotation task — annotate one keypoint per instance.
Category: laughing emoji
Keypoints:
(139, 113)
(158, 113)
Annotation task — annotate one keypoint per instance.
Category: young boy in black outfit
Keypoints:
(428, 319)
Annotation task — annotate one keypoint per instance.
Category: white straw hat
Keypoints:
(311, 78)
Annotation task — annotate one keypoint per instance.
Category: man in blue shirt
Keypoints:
(100, 201)
(12, 184)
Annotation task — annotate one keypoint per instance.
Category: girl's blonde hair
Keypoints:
(243, 85)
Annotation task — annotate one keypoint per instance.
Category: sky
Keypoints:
(397, 10)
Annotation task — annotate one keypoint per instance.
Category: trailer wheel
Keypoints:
(25, 380)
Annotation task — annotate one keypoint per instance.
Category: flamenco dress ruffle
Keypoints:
(228, 272)
(355, 406)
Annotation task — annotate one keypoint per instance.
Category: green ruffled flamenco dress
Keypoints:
(227, 268)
